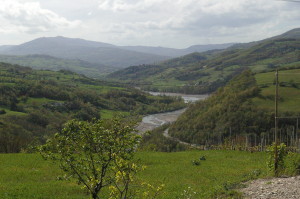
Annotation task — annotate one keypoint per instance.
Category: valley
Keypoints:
(151, 122)
(78, 102)
(207, 71)
(35, 104)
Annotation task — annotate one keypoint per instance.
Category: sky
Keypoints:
(167, 23)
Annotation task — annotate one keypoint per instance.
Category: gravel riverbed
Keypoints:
(150, 122)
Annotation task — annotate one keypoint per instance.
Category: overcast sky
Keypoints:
(168, 23)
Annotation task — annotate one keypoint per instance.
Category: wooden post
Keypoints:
(276, 127)
(297, 141)
(293, 143)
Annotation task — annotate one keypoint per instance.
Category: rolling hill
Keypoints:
(35, 103)
(242, 112)
(89, 51)
(292, 34)
(46, 62)
(171, 52)
(205, 72)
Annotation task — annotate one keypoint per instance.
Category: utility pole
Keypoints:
(276, 127)
(297, 141)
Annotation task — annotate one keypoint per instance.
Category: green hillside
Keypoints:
(242, 112)
(289, 90)
(34, 104)
(46, 62)
(205, 72)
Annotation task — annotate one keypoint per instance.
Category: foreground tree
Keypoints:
(97, 154)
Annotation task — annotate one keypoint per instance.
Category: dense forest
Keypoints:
(34, 104)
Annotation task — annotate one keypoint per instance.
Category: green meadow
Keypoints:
(289, 90)
(28, 176)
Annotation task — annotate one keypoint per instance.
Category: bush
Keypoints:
(2, 112)
(196, 162)
(292, 164)
(38, 118)
(281, 156)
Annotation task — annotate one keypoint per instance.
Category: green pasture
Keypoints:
(108, 114)
(289, 90)
(28, 176)
(9, 112)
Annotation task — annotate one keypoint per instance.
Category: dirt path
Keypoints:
(275, 188)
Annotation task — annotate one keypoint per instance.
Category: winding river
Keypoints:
(152, 121)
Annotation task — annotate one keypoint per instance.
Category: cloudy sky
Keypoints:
(168, 23)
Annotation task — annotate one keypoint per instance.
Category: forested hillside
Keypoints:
(242, 113)
(34, 104)
(205, 72)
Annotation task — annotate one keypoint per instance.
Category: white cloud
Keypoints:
(202, 19)
(172, 23)
(29, 17)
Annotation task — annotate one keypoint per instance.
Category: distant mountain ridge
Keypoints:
(93, 52)
(101, 53)
(172, 52)
(88, 56)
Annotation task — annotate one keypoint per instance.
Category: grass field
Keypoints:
(289, 95)
(9, 112)
(28, 176)
(108, 114)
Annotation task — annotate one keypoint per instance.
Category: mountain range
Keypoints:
(97, 59)
(101, 56)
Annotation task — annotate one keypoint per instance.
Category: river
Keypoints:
(152, 121)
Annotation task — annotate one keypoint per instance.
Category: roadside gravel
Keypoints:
(274, 188)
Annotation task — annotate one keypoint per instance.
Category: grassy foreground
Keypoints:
(28, 176)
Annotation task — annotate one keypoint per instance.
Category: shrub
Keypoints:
(281, 155)
(2, 112)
